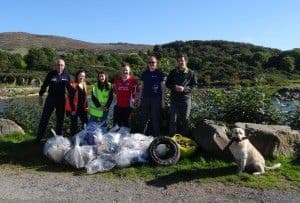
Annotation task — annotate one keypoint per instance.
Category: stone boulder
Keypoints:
(272, 140)
(8, 127)
(211, 137)
(36, 82)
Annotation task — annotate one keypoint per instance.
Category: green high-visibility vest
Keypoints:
(102, 96)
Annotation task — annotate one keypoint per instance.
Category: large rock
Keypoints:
(8, 127)
(272, 140)
(211, 137)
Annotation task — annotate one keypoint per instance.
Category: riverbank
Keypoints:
(12, 92)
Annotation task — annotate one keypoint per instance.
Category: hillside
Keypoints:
(215, 62)
(10, 41)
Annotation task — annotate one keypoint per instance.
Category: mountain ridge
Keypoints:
(16, 40)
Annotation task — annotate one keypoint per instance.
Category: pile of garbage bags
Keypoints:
(99, 150)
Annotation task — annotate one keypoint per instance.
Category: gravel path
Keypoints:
(20, 186)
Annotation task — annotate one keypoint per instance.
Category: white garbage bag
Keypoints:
(116, 128)
(56, 147)
(94, 133)
(126, 156)
(81, 136)
(112, 141)
(102, 163)
(124, 131)
(79, 156)
(133, 149)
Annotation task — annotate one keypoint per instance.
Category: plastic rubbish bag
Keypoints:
(79, 156)
(127, 156)
(93, 133)
(102, 163)
(56, 147)
(187, 146)
(161, 149)
(112, 141)
(124, 130)
(133, 149)
(136, 141)
(81, 136)
(115, 128)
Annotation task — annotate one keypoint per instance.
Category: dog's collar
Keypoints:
(234, 139)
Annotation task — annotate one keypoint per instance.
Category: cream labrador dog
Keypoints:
(246, 155)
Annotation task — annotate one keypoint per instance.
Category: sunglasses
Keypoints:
(151, 62)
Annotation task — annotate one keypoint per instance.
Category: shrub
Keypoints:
(27, 113)
(241, 104)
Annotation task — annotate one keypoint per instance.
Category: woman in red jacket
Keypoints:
(77, 104)
(125, 89)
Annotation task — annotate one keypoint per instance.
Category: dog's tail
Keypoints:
(278, 165)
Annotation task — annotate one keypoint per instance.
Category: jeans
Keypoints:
(179, 117)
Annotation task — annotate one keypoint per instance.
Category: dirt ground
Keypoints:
(24, 186)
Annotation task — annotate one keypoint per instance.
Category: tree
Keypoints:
(287, 63)
(41, 58)
(274, 62)
(166, 64)
(17, 61)
(136, 62)
(157, 51)
(4, 61)
(296, 54)
(260, 58)
(194, 63)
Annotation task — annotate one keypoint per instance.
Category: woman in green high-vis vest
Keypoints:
(101, 98)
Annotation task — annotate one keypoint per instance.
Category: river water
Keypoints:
(3, 104)
(284, 105)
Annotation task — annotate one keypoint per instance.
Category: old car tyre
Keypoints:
(171, 157)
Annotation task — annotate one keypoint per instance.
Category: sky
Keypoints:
(269, 23)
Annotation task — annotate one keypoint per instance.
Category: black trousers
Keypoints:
(122, 116)
(82, 115)
(50, 104)
(150, 111)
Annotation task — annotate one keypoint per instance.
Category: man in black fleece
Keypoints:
(180, 81)
(57, 81)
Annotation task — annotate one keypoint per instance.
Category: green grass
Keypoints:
(18, 152)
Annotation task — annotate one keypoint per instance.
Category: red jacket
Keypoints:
(71, 102)
(125, 90)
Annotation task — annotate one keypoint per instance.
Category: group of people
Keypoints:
(148, 95)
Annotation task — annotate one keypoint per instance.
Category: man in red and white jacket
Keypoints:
(126, 90)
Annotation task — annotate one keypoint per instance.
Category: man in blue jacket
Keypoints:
(152, 96)
(56, 81)
(180, 81)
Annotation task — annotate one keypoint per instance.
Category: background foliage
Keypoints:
(216, 63)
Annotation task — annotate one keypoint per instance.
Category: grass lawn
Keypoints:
(18, 152)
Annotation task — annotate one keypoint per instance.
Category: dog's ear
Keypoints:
(228, 132)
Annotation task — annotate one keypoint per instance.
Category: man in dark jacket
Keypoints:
(57, 81)
(180, 81)
(152, 90)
